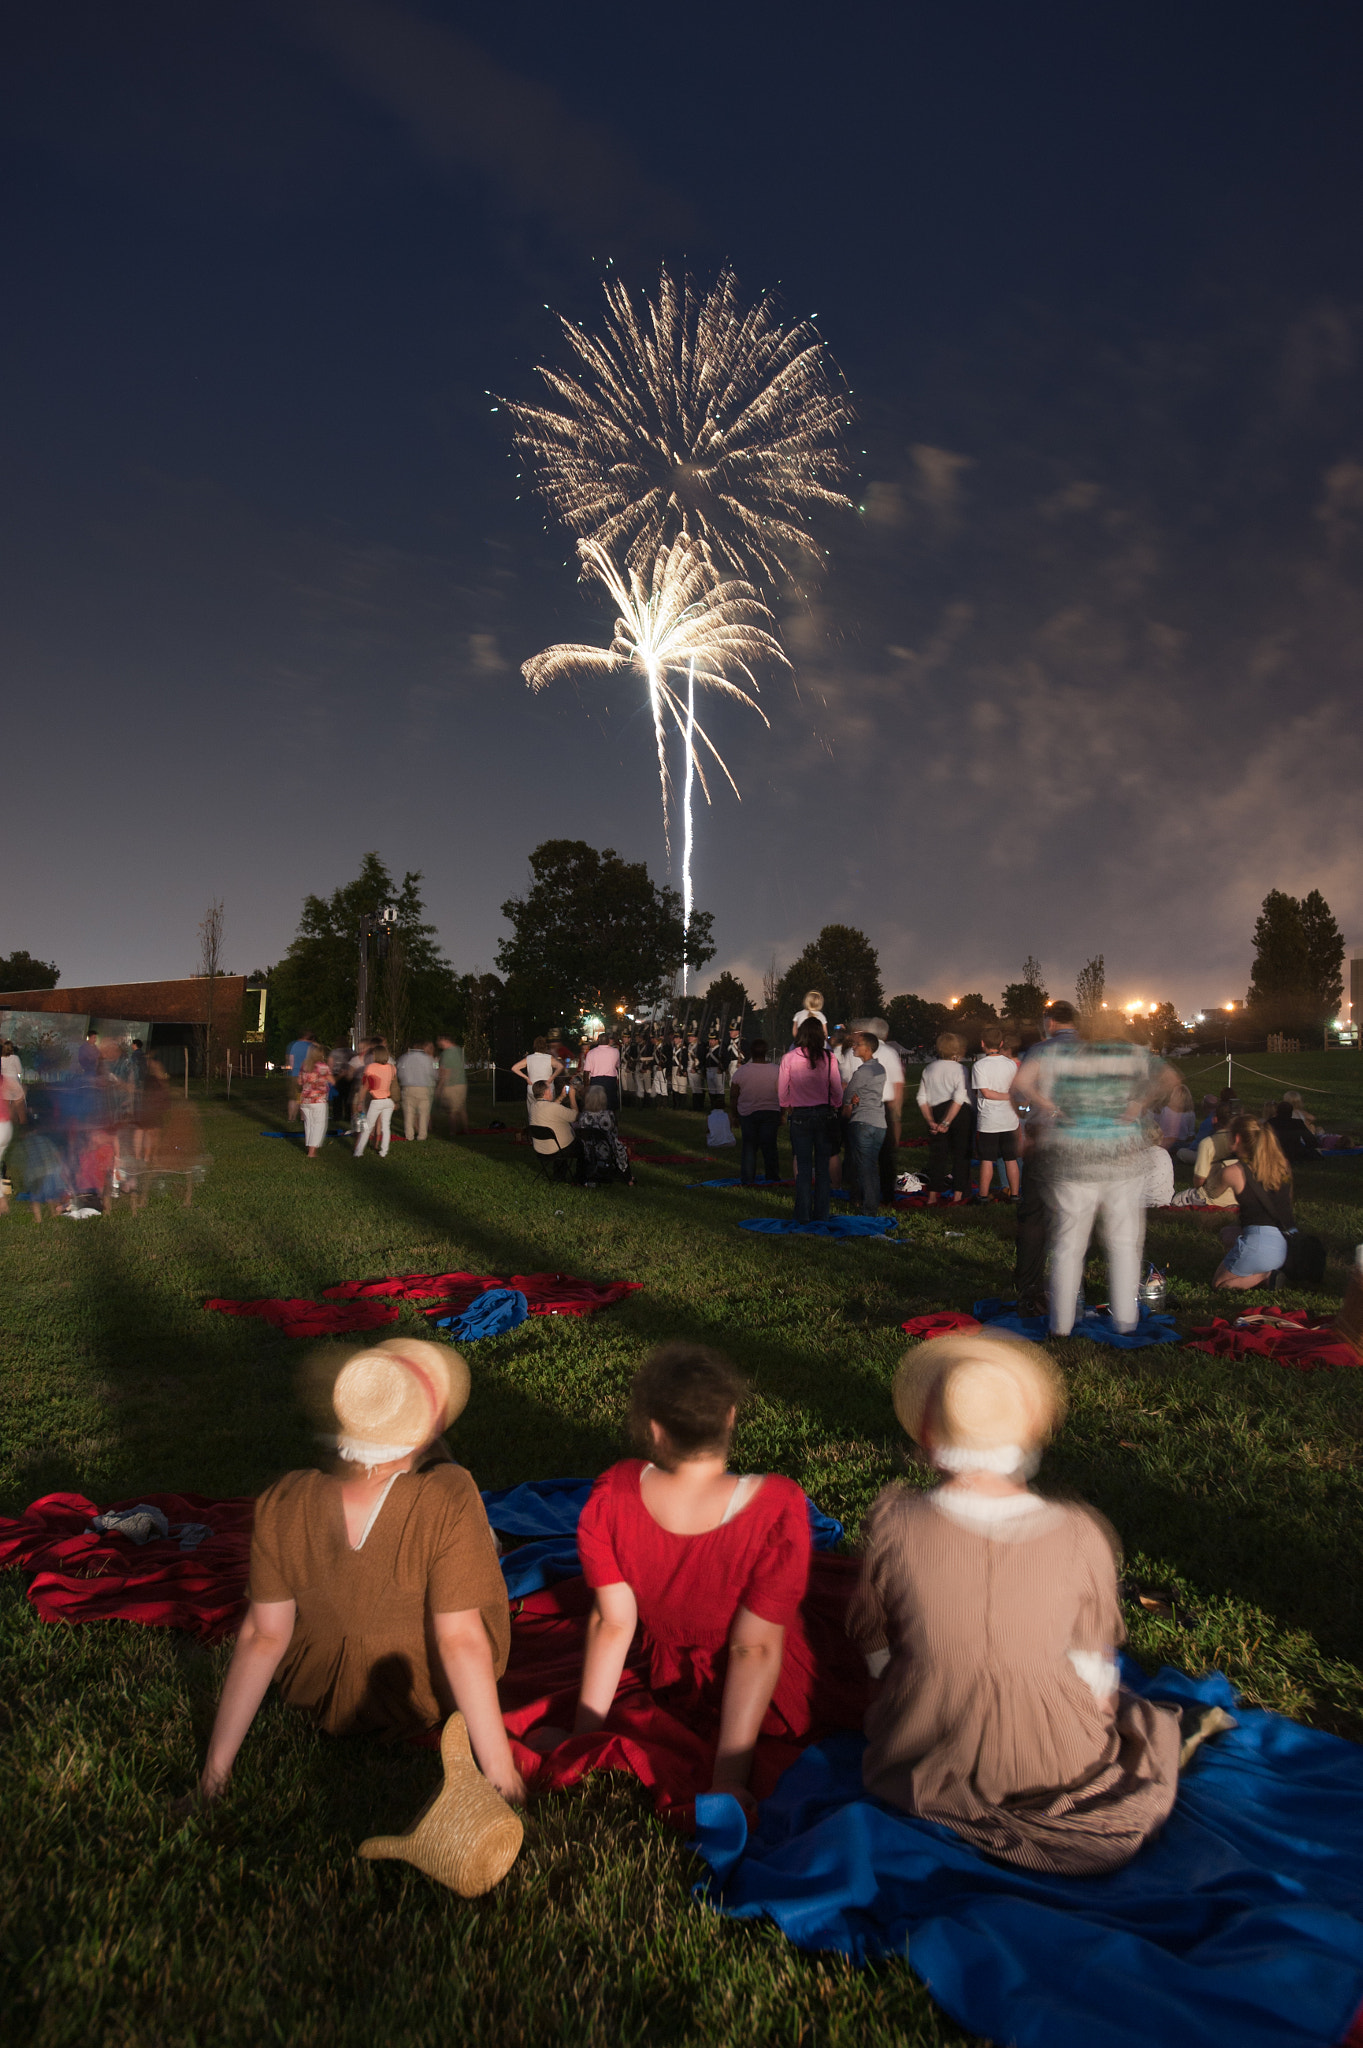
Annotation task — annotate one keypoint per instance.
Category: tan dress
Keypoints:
(999, 1713)
(363, 1656)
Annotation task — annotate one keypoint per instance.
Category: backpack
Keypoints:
(1305, 1263)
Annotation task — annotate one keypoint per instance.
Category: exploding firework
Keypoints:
(691, 416)
(681, 622)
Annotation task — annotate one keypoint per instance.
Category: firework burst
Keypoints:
(681, 622)
(691, 416)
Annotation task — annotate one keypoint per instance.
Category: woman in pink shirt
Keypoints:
(602, 1064)
(810, 1089)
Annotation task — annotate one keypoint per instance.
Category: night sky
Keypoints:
(1083, 674)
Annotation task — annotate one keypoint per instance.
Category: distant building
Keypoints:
(174, 1010)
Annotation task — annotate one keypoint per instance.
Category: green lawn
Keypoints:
(1236, 1490)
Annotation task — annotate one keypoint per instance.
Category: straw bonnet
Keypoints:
(394, 1398)
(979, 1393)
(468, 1837)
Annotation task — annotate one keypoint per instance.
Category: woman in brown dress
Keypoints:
(1001, 1714)
(377, 1601)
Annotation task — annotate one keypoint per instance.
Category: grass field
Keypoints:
(1237, 1490)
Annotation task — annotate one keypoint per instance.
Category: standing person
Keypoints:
(453, 1087)
(714, 1070)
(416, 1077)
(888, 1056)
(602, 1067)
(1258, 1174)
(681, 1070)
(810, 1089)
(755, 1099)
(695, 1068)
(297, 1058)
(314, 1094)
(945, 1103)
(11, 1096)
(1093, 1096)
(734, 1054)
(378, 1077)
(813, 1008)
(538, 1064)
(88, 1055)
(662, 1070)
(996, 1120)
(863, 1105)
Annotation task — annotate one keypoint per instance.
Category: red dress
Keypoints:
(664, 1722)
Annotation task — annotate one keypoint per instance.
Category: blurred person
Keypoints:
(152, 1103)
(1177, 1121)
(755, 1100)
(377, 1603)
(996, 1120)
(719, 1131)
(1209, 1189)
(453, 1095)
(604, 1156)
(810, 1089)
(662, 1069)
(39, 1173)
(379, 1076)
(11, 1096)
(295, 1057)
(1261, 1180)
(12, 1081)
(863, 1108)
(709, 1569)
(813, 1007)
(1158, 1192)
(1001, 1714)
(416, 1076)
(11, 1066)
(314, 1094)
(88, 1056)
(944, 1101)
(695, 1068)
(1294, 1127)
(602, 1066)
(1092, 1096)
(93, 1178)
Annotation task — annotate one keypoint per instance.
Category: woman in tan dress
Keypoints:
(377, 1601)
(1001, 1714)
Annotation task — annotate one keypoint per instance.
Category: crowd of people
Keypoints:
(73, 1138)
(977, 1651)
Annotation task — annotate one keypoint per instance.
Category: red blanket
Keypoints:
(546, 1294)
(83, 1576)
(298, 1318)
(943, 1322)
(1290, 1335)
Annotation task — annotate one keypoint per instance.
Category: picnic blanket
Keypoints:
(836, 1226)
(298, 1318)
(85, 1575)
(546, 1294)
(1239, 1926)
(1292, 1336)
(490, 1314)
(996, 1314)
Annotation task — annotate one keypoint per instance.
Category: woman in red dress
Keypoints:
(712, 1571)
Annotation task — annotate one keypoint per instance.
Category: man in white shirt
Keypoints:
(416, 1077)
(996, 1120)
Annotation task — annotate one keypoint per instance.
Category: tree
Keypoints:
(1163, 1029)
(593, 932)
(19, 972)
(914, 1020)
(974, 1005)
(1298, 976)
(1088, 989)
(1324, 956)
(211, 928)
(314, 987)
(844, 966)
(726, 992)
(1024, 1001)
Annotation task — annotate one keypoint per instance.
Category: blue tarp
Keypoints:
(1096, 1326)
(836, 1226)
(490, 1314)
(1239, 1926)
(547, 1510)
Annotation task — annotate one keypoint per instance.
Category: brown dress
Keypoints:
(363, 1656)
(996, 1621)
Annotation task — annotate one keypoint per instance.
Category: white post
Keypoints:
(229, 1073)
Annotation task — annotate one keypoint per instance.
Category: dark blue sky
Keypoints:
(1084, 673)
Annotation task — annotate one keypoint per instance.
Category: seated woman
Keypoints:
(713, 1569)
(1001, 1714)
(1261, 1180)
(603, 1152)
(1294, 1127)
(377, 1601)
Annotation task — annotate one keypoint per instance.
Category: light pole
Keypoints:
(374, 924)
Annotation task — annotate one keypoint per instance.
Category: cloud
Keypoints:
(1341, 505)
(461, 107)
(486, 656)
(937, 481)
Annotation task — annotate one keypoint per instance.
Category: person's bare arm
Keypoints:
(466, 1658)
(755, 1651)
(1025, 1089)
(615, 1615)
(522, 1068)
(265, 1635)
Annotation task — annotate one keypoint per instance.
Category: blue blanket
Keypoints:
(836, 1226)
(546, 1510)
(1097, 1325)
(490, 1314)
(1239, 1926)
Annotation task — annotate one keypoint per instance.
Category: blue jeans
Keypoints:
(864, 1143)
(759, 1127)
(809, 1143)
